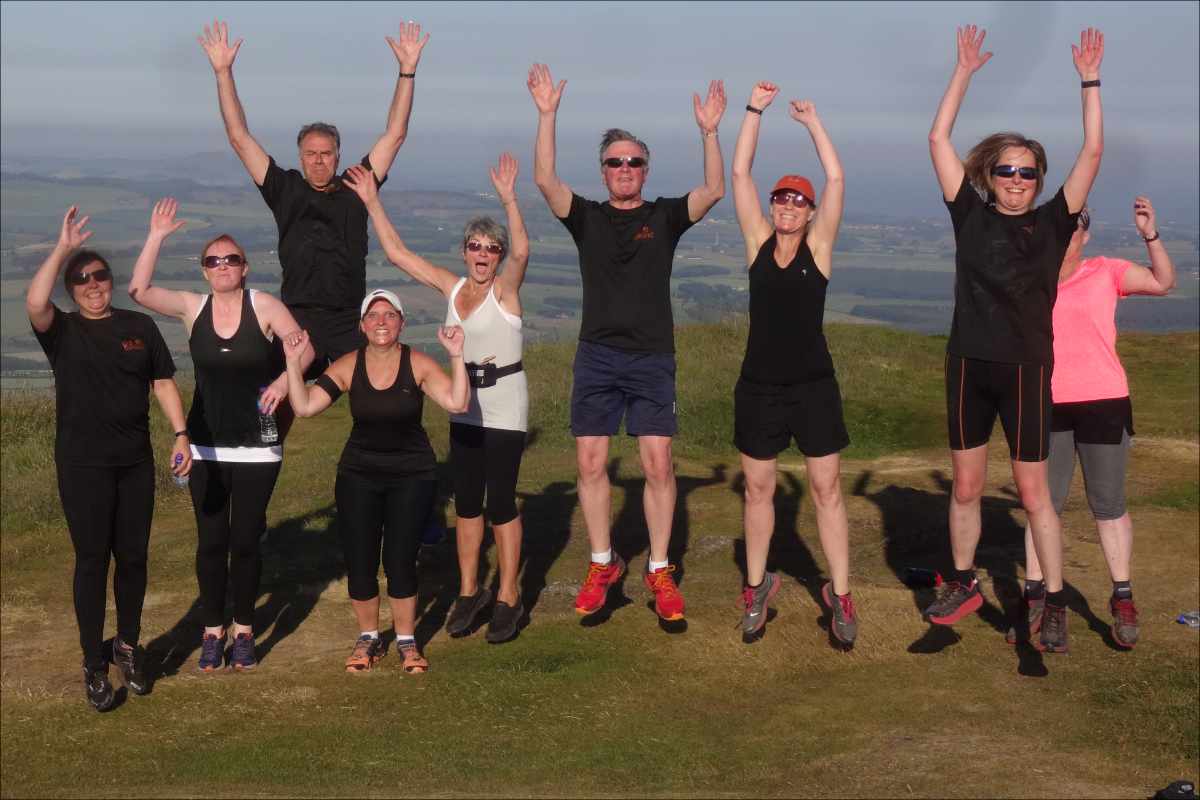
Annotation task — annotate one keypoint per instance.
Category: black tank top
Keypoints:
(229, 373)
(787, 310)
(387, 440)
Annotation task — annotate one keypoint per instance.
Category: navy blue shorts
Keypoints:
(611, 383)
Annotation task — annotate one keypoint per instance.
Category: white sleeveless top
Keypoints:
(493, 334)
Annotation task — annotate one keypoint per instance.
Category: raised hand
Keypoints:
(804, 112)
(294, 344)
(162, 218)
(504, 177)
(362, 181)
(215, 42)
(970, 42)
(546, 96)
(451, 337)
(1089, 54)
(407, 45)
(708, 114)
(762, 94)
(1143, 217)
(72, 236)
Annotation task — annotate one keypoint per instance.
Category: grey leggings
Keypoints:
(1103, 473)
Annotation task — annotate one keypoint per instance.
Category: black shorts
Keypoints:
(1095, 421)
(332, 331)
(976, 391)
(766, 417)
(611, 383)
(485, 459)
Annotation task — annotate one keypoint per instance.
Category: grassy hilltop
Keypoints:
(622, 707)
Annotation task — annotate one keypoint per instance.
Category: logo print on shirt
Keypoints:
(135, 343)
(644, 234)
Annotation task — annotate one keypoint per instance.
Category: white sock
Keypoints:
(653, 566)
(372, 634)
(602, 558)
(402, 638)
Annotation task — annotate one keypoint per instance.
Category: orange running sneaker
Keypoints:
(668, 602)
(595, 586)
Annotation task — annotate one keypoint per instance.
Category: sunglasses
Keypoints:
(1008, 170)
(493, 248)
(793, 198)
(634, 162)
(233, 260)
(102, 275)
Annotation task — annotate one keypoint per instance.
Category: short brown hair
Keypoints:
(76, 264)
(986, 155)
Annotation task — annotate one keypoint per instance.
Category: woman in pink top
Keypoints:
(1092, 414)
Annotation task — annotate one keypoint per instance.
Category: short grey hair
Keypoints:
(486, 226)
(614, 135)
(323, 128)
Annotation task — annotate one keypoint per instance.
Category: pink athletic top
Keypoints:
(1086, 366)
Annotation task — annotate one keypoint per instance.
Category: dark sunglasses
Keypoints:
(233, 260)
(794, 198)
(1008, 170)
(615, 163)
(102, 275)
(492, 248)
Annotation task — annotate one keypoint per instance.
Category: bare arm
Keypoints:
(546, 96)
(37, 297)
(452, 392)
(171, 302)
(756, 228)
(822, 232)
(221, 55)
(946, 164)
(512, 275)
(1160, 278)
(308, 401)
(277, 320)
(407, 48)
(708, 117)
(166, 392)
(1087, 58)
(363, 184)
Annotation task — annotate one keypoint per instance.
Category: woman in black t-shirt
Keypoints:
(104, 360)
(386, 478)
(999, 356)
(787, 387)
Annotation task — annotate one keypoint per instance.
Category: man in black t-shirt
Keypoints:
(625, 362)
(322, 224)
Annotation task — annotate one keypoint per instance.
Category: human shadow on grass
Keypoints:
(916, 536)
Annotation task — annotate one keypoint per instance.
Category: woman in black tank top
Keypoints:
(236, 452)
(386, 478)
(787, 387)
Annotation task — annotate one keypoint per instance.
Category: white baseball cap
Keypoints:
(380, 294)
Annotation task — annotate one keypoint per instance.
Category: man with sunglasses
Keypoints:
(625, 362)
(322, 224)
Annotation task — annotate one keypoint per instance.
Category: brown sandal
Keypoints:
(414, 663)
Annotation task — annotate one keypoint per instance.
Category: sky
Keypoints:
(128, 80)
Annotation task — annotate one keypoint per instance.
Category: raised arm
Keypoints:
(512, 272)
(420, 270)
(1087, 57)
(1160, 278)
(171, 302)
(407, 48)
(452, 392)
(221, 55)
(823, 230)
(756, 228)
(308, 401)
(546, 96)
(708, 117)
(946, 163)
(37, 297)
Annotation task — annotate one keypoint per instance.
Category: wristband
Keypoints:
(1089, 84)
(706, 134)
(1153, 238)
(754, 110)
(180, 433)
(408, 74)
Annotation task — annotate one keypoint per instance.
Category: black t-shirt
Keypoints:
(322, 239)
(625, 258)
(102, 374)
(1006, 278)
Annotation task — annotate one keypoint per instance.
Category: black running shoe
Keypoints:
(504, 621)
(99, 691)
(129, 659)
(466, 608)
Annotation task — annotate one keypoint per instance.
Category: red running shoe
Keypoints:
(595, 586)
(668, 602)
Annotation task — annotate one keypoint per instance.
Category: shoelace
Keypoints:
(362, 648)
(1126, 611)
(594, 572)
(211, 646)
(748, 598)
(663, 581)
(847, 606)
(1053, 622)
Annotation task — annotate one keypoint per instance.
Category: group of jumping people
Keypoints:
(1048, 369)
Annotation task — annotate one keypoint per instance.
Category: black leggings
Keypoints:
(108, 511)
(391, 513)
(485, 459)
(230, 501)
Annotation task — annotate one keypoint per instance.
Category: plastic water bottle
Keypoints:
(267, 429)
(1189, 618)
(180, 480)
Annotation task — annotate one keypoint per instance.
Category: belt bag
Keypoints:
(483, 376)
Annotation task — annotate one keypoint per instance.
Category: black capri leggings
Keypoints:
(108, 511)
(230, 500)
(375, 512)
(486, 459)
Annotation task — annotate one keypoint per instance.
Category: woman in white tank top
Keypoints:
(486, 441)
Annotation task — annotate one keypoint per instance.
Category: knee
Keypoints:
(591, 467)
(658, 471)
(760, 491)
(968, 489)
(827, 493)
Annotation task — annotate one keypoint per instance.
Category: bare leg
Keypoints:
(1045, 527)
(508, 554)
(367, 613)
(825, 481)
(658, 497)
(970, 473)
(1033, 568)
(404, 614)
(1116, 538)
(595, 492)
(758, 514)
(469, 536)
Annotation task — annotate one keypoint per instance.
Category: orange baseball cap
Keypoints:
(796, 183)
